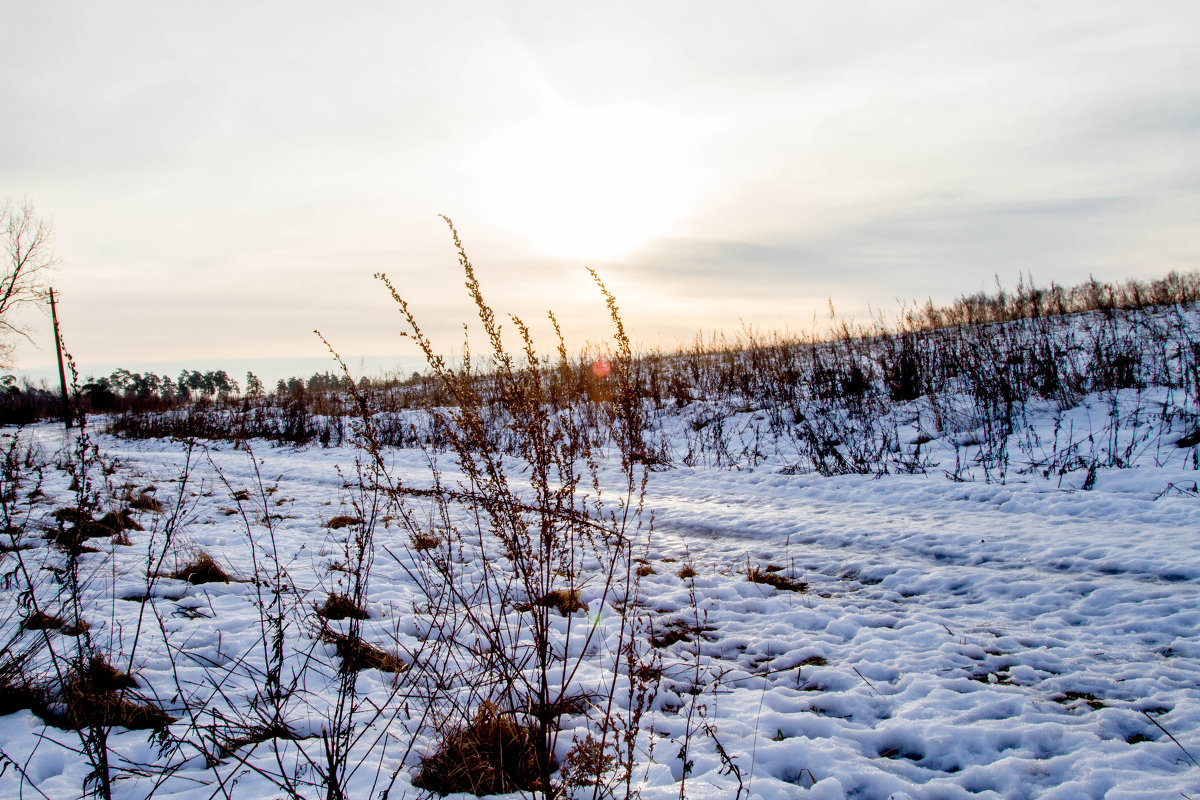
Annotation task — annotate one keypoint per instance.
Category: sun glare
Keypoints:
(590, 185)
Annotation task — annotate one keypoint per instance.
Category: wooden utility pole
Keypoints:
(62, 374)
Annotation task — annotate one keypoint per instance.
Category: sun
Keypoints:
(592, 185)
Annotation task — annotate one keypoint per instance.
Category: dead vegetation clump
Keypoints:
(423, 541)
(98, 694)
(771, 576)
(41, 621)
(686, 571)
(70, 541)
(1189, 439)
(200, 568)
(17, 691)
(565, 601)
(343, 521)
(144, 501)
(231, 740)
(78, 628)
(357, 654)
(340, 606)
(677, 630)
(83, 527)
(493, 754)
(587, 761)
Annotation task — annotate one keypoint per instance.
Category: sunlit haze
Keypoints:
(226, 177)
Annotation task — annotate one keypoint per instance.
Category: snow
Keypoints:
(956, 639)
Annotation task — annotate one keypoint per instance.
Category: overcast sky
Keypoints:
(225, 177)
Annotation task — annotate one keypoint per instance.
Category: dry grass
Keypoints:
(17, 692)
(98, 695)
(84, 527)
(677, 631)
(41, 621)
(144, 501)
(422, 542)
(493, 754)
(76, 629)
(686, 571)
(771, 577)
(200, 568)
(565, 601)
(340, 606)
(357, 655)
(230, 741)
(342, 521)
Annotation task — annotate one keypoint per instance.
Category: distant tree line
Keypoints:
(323, 394)
(126, 391)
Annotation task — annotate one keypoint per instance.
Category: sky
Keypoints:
(226, 177)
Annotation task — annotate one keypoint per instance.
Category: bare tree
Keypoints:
(26, 253)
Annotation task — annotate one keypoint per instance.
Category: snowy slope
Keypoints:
(954, 639)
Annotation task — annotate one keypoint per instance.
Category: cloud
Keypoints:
(936, 249)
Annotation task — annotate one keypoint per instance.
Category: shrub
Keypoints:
(528, 537)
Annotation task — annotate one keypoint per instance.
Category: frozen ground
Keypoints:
(954, 640)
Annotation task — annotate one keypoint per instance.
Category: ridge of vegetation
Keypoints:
(958, 380)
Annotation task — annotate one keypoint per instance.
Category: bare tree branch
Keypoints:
(26, 253)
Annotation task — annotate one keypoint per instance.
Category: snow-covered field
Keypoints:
(955, 639)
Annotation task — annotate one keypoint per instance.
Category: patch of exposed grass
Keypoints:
(143, 501)
(340, 606)
(775, 579)
(565, 601)
(357, 654)
(493, 754)
(422, 542)
(677, 630)
(41, 621)
(99, 695)
(200, 568)
(231, 741)
(17, 692)
(1075, 699)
